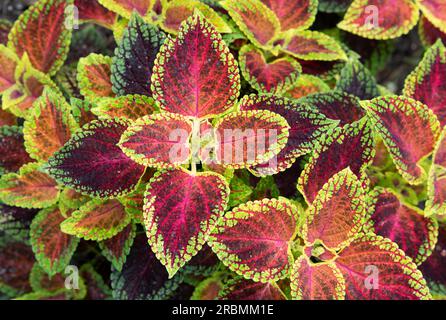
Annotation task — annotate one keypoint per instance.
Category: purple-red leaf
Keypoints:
(195, 74)
(52, 247)
(142, 277)
(427, 82)
(272, 77)
(293, 14)
(316, 281)
(243, 289)
(337, 213)
(378, 19)
(337, 106)
(92, 163)
(409, 130)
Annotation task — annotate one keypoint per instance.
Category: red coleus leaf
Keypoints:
(321, 281)
(405, 225)
(273, 77)
(426, 83)
(357, 80)
(135, 57)
(16, 262)
(12, 149)
(334, 5)
(337, 213)
(306, 127)
(433, 267)
(429, 34)
(247, 138)
(160, 140)
(305, 85)
(30, 188)
(125, 8)
(42, 33)
(130, 107)
(92, 11)
(243, 289)
(143, 276)
(351, 146)
(117, 248)
(8, 65)
(48, 126)
(15, 222)
(293, 14)
(93, 164)
(435, 12)
(96, 287)
(337, 106)
(436, 203)
(254, 239)
(176, 11)
(94, 77)
(312, 45)
(377, 19)
(29, 86)
(97, 220)
(259, 23)
(375, 269)
(202, 59)
(52, 247)
(205, 263)
(180, 211)
(409, 130)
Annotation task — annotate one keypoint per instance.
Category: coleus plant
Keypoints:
(161, 161)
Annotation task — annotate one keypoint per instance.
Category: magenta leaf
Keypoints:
(93, 164)
(404, 224)
(180, 211)
(135, 57)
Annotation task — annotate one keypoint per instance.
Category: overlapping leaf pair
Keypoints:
(259, 240)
